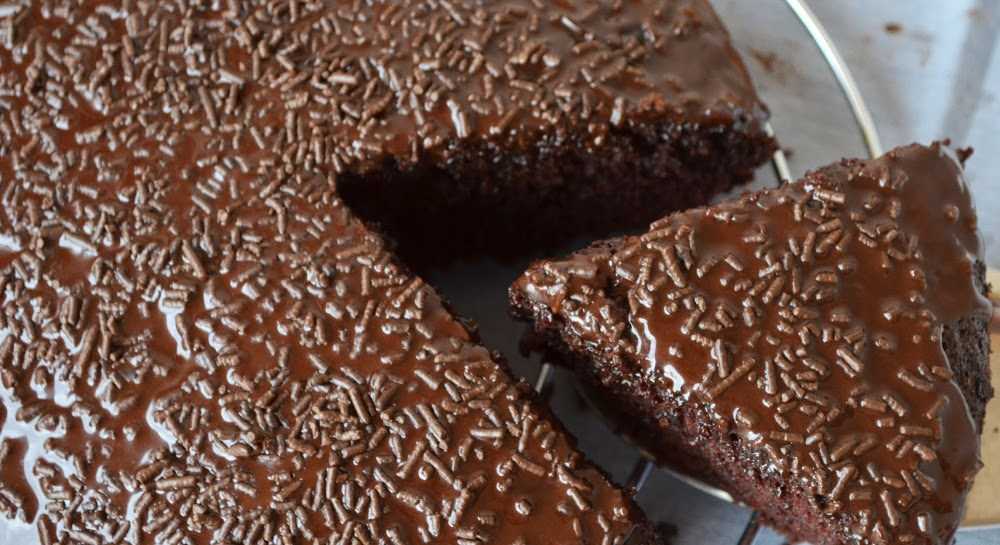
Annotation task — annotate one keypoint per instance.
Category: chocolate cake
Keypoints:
(202, 342)
(819, 350)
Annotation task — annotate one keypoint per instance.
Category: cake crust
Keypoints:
(819, 350)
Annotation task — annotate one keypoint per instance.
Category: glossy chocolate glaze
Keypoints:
(808, 320)
(200, 343)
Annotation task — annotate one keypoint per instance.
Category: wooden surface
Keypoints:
(984, 502)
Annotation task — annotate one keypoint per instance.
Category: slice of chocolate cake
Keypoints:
(819, 350)
(512, 126)
(200, 342)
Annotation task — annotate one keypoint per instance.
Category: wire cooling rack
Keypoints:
(869, 133)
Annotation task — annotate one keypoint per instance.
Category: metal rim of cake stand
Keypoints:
(779, 161)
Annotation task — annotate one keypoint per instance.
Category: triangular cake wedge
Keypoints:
(819, 350)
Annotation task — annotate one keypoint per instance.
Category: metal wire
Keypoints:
(640, 474)
(840, 71)
(779, 162)
(750, 532)
(544, 374)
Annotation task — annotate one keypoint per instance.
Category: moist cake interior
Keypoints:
(515, 203)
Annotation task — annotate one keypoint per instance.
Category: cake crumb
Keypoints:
(893, 28)
(766, 59)
(772, 64)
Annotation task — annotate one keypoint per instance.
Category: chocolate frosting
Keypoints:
(808, 320)
(200, 343)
